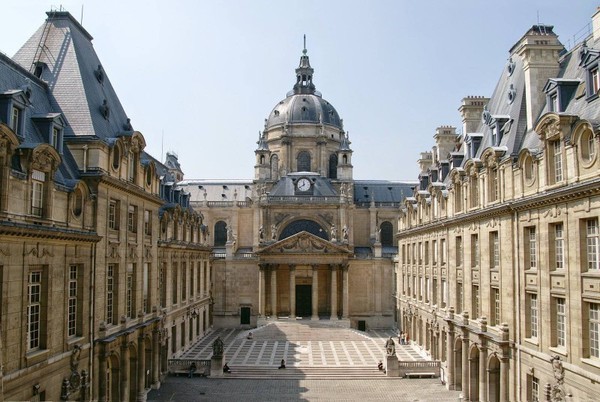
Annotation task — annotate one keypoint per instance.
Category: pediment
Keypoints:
(304, 243)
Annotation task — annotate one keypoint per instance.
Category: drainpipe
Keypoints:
(85, 154)
(92, 321)
(517, 249)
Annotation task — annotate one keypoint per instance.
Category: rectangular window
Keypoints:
(594, 328)
(37, 192)
(459, 297)
(426, 253)
(557, 160)
(475, 297)
(474, 250)
(434, 292)
(132, 219)
(533, 315)
(592, 244)
(113, 214)
(129, 309)
(404, 254)
(199, 278)
(474, 184)
(183, 281)
(494, 186)
(148, 223)
(56, 139)
(434, 259)
(444, 293)
(443, 251)
(494, 250)
(554, 103)
(535, 389)
(174, 283)
(15, 122)
(145, 288)
(496, 307)
(459, 251)
(420, 253)
(561, 322)
(34, 309)
(595, 80)
(163, 285)
(532, 248)
(72, 307)
(111, 293)
(559, 245)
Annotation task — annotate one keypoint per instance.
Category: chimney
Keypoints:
(539, 49)
(470, 110)
(425, 161)
(445, 141)
(596, 24)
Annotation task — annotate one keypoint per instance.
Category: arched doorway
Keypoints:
(494, 379)
(474, 374)
(113, 378)
(458, 364)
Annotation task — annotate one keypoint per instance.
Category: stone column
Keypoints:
(155, 359)
(482, 373)
(315, 293)
(450, 360)
(124, 371)
(292, 291)
(102, 367)
(141, 369)
(345, 298)
(261, 290)
(334, 314)
(504, 378)
(274, 291)
(465, 366)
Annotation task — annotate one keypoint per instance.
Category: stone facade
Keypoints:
(104, 268)
(498, 269)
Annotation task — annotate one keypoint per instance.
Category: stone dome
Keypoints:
(304, 104)
(304, 109)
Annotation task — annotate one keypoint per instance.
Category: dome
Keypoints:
(304, 104)
(304, 109)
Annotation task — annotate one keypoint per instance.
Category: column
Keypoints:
(450, 360)
(482, 373)
(141, 369)
(125, 371)
(102, 367)
(292, 291)
(155, 357)
(504, 379)
(345, 298)
(274, 291)
(261, 290)
(315, 293)
(334, 314)
(465, 367)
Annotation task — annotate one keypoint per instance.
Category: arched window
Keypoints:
(274, 167)
(303, 162)
(303, 225)
(333, 162)
(220, 233)
(387, 234)
(116, 156)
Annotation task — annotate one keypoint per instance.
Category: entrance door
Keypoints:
(303, 300)
(245, 315)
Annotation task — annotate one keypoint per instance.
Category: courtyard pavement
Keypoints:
(310, 345)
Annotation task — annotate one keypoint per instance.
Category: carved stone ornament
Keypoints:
(552, 129)
(42, 160)
(557, 391)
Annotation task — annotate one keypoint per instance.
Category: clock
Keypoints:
(303, 184)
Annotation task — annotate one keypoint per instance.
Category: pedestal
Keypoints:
(216, 366)
(392, 368)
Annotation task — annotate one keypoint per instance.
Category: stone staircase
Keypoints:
(313, 372)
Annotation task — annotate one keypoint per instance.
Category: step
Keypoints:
(312, 372)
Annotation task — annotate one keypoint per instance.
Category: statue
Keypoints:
(261, 233)
(345, 233)
(218, 347)
(390, 347)
(230, 234)
(273, 232)
(333, 232)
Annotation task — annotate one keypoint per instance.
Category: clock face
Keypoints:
(303, 184)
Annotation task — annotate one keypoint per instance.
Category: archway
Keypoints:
(474, 374)
(113, 378)
(303, 225)
(458, 364)
(494, 379)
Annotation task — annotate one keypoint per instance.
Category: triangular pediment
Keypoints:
(304, 243)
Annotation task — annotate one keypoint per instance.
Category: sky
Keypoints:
(198, 77)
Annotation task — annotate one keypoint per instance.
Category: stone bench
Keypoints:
(419, 375)
(182, 366)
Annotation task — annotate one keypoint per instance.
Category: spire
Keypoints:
(304, 74)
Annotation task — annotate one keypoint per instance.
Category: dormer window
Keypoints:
(15, 120)
(590, 59)
(559, 92)
(595, 80)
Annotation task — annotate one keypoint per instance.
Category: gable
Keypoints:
(304, 243)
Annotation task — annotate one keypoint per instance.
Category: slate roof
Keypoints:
(384, 191)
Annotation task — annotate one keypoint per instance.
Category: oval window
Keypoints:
(77, 202)
(116, 157)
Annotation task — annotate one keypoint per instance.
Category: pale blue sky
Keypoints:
(206, 73)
